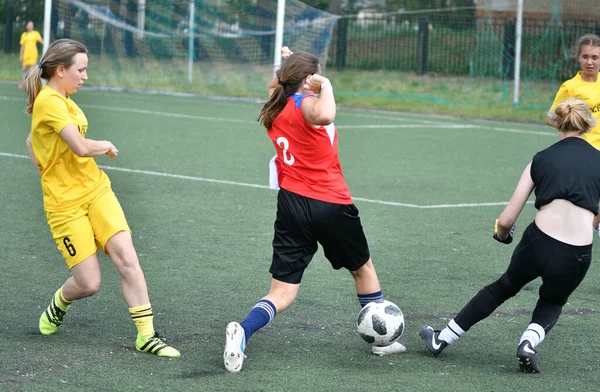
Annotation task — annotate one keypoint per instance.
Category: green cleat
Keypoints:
(155, 345)
(51, 318)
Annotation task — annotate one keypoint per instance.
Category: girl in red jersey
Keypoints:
(314, 205)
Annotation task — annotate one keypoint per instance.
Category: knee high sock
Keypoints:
(261, 314)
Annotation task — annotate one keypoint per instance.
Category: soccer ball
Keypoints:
(380, 323)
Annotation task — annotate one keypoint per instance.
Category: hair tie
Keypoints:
(280, 82)
(39, 64)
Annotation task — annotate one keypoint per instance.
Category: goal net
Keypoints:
(211, 47)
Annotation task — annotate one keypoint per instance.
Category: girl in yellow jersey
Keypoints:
(585, 85)
(29, 51)
(80, 206)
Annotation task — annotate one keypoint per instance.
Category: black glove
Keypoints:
(508, 239)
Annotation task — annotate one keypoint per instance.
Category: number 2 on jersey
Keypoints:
(285, 145)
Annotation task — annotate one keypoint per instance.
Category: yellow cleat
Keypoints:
(51, 319)
(155, 345)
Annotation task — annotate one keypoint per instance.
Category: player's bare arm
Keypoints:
(319, 111)
(29, 144)
(285, 53)
(517, 202)
(87, 147)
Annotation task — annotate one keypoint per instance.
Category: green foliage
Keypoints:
(318, 4)
(23, 11)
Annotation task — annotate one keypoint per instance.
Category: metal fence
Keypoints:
(438, 44)
(443, 43)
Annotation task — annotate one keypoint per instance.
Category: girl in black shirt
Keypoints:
(556, 246)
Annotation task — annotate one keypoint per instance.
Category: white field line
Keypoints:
(393, 116)
(399, 126)
(151, 112)
(167, 114)
(244, 184)
(255, 102)
(420, 124)
(245, 102)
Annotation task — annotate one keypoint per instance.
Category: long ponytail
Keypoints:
(273, 106)
(291, 77)
(32, 86)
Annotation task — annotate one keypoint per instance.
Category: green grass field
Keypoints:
(191, 177)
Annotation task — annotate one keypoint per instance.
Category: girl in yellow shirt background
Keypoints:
(29, 51)
(585, 84)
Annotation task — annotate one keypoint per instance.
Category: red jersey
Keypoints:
(307, 157)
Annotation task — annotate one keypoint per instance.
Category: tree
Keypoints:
(23, 11)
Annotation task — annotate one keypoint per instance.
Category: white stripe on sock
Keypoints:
(370, 297)
(455, 327)
(451, 333)
(267, 308)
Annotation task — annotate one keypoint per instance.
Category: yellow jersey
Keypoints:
(68, 180)
(29, 40)
(590, 93)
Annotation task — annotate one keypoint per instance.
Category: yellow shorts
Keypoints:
(77, 230)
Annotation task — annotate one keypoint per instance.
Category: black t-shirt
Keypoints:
(570, 170)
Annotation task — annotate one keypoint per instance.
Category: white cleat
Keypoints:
(235, 342)
(394, 348)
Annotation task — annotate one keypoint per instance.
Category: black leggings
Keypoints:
(561, 266)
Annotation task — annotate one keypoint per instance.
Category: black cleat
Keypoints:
(433, 344)
(527, 357)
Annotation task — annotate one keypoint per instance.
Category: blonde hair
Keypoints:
(572, 114)
(60, 52)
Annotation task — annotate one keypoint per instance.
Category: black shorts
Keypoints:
(303, 222)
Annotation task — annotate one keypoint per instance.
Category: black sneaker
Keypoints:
(527, 357)
(433, 344)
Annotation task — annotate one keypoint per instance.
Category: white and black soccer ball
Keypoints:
(380, 323)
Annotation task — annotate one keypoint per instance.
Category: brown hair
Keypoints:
(60, 52)
(586, 40)
(572, 114)
(291, 77)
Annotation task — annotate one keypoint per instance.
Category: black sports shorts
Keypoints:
(303, 222)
